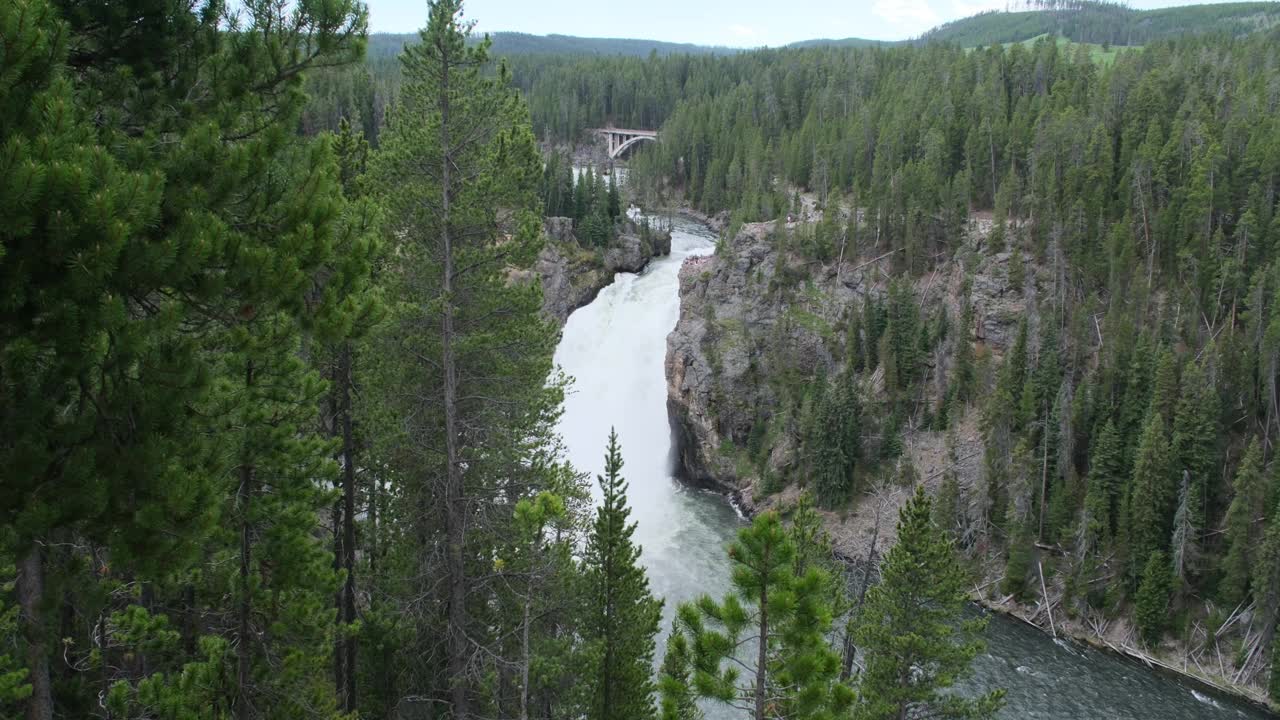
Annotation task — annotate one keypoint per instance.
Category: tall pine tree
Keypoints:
(914, 634)
(622, 616)
(457, 375)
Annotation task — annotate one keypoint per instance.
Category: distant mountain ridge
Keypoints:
(1081, 21)
(517, 43)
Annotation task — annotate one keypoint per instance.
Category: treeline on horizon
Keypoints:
(278, 418)
(573, 84)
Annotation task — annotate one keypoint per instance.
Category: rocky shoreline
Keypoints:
(1212, 684)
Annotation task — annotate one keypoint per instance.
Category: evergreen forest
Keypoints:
(279, 406)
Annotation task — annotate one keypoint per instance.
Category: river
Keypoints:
(614, 349)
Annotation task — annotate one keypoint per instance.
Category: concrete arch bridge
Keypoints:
(620, 140)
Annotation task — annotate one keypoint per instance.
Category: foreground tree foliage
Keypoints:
(914, 631)
(774, 626)
(622, 615)
(458, 400)
(167, 241)
(766, 648)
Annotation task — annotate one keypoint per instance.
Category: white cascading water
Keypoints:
(614, 349)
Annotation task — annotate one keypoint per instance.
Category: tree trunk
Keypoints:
(339, 657)
(190, 619)
(244, 499)
(846, 669)
(524, 665)
(1044, 481)
(345, 654)
(762, 654)
(455, 510)
(30, 588)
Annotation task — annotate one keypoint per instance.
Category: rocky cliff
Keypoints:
(756, 317)
(572, 274)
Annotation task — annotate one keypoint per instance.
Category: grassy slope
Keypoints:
(1100, 54)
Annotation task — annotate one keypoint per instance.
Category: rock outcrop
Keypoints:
(749, 314)
(572, 275)
(737, 328)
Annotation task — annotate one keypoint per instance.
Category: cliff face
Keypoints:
(572, 275)
(737, 328)
(754, 312)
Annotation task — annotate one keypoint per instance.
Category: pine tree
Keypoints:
(782, 610)
(536, 563)
(1152, 601)
(679, 701)
(1105, 485)
(1184, 545)
(836, 441)
(804, 661)
(622, 615)
(1243, 527)
(14, 687)
(913, 630)
(53, 169)
(1151, 497)
(947, 509)
(134, 268)
(1013, 374)
(1017, 567)
(1136, 399)
(1164, 388)
(903, 332)
(355, 308)
(855, 343)
(1195, 438)
(962, 374)
(615, 199)
(1017, 276)
(583, 194)
(458, 372)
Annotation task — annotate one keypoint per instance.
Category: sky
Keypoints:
(734, 23)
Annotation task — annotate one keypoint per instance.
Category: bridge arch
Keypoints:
(628, 144)
(620, 140)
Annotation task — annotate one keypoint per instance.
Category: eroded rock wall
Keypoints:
(572, 275)
(756, 311)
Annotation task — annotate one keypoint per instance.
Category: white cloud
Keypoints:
(742, 31)
(910, 14)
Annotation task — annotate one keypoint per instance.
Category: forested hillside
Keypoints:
(1111, 23)
(572, 90)
(567, 93)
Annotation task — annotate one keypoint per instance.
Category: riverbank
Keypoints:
(1205, 686)
(1082, 637)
